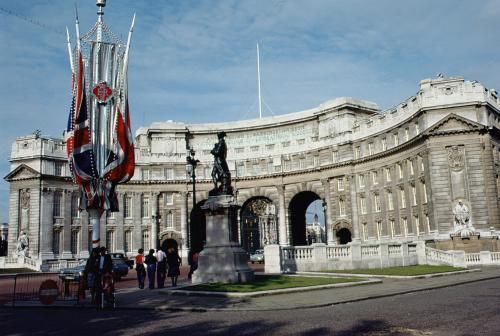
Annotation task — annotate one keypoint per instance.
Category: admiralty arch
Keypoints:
(393, 175)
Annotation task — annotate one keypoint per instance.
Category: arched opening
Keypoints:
(256, 222)
(315, 223)
(344, 236)
(169, 243)
(197, 228)
(297, 210)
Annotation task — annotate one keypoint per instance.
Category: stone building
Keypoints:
(423, 170)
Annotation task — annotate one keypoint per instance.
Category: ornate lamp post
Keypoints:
(191, 164)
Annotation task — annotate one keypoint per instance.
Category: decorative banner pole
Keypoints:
(99, 140)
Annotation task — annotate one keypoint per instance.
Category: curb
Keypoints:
(409, 277)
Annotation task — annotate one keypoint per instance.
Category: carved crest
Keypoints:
(456, 158)
(25, 199)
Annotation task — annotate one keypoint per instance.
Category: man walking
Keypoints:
(161, 268)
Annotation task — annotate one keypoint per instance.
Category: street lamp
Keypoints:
(191, 164)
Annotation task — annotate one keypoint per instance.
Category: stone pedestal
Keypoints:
(222, 258)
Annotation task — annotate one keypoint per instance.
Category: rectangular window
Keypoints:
(58, 168)
(335, 156)
(240, 170)
(145, 207)
(270, 147)
(361, 180)
(285, 144)
(388, 176)
(287, 165)
(414, 194)
(370, 148)
(169, 198)
(427, 223)
(410, 167)
(207, 172)
(364, 231)
(256, 169)
(254, 148)
(145, 174)
(341, 207)
(357, 152)
(340, 183)
(417, 129)
(169, 173)
(404, 223)
(391, 225)
(363, 205)
(374, 177)
(301, 141)
(400, 170)
(379, 229)
(56, 208)
(316, 161)
(75, 203)
(56, 241)
(395, 139)
(110, 214)
(402, 198)
(424, 193)
(303, 163)
(384, 144)
(422, 165)
(270, 167)
(75, 238)
(169, 221)
(110, 240)
(390, 201)
(376, 203)
(127, 241)
(417, 224)
(407, 134)
(239, 150)
(127, 206)
(146, 243)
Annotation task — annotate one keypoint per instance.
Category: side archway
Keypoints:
(251, 214)
(197, 227)
(297, 216)
(343, 232)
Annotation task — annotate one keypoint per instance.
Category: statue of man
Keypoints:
(220, 172)
(22, 243)
(461, 213)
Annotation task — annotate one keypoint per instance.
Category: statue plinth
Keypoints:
(222, 258)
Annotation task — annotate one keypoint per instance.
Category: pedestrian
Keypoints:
(150, 261)
(139, 268)
(161, 268)
(105, 268)
(193, 263)
(174, 262)
(90, 273)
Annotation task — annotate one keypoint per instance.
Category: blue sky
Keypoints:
(195, 61)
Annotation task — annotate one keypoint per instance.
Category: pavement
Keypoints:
(163, 299)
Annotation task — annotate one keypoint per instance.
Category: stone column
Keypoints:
(184, 222)
(328, 217)
(354, 207)
(283, 238)
(46, 225)
(66, 234)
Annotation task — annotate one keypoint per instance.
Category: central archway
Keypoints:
(297, 216)
(197, 227)
(251, 213)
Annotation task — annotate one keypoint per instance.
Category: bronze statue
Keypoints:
(220, 173)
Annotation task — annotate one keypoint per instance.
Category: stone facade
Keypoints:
(384, 176)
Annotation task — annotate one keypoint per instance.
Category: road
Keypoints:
(469, 309)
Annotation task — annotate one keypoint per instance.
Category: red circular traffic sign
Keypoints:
(48, 292)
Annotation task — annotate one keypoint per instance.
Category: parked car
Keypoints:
(120, 269)
(257, 256)
(122, 256)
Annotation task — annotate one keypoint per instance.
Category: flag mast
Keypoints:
(258, 81)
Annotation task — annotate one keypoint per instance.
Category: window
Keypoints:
(424, 193)
(169, 173)
(110, 240)
(384, 144)
(340, 183)
(58, 168)
(127, 206)
(390, 201)
(414, 194)
(417, 224)
(357, 152)
(270, 147)
(364, 231)
(388, 177)
(370, 148)
(335, 156)
(169, 221)
(207, 172)
(363, 205)
(285, 144)
(374, 177)
(410, 167)
(145, 174)
(402, 197)
(379, 229)
(56, 207)
(240, 170)
(341, 207)
(417, 129)
(75, 237)
(391, 225)
(75, 203)
(110, 214)
(376, 203)
(361, 180)
(169, 198)
(146, 243)
(127, 241)
(422, 165)
(56, 241)
(427, 223)
(405, 226)
(301, 141)
(270, 167)
(145, 207)
(316, 161)
(287, 165)
(239, 150)
(302, 163)
(395, 139)
(400, 170)
(254, 148)
(407, 134)
(256, 169)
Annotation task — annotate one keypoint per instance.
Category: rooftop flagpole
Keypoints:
(258, 81)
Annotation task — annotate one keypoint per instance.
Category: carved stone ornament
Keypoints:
(456, 158)
(462, 225)
(25, 199)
